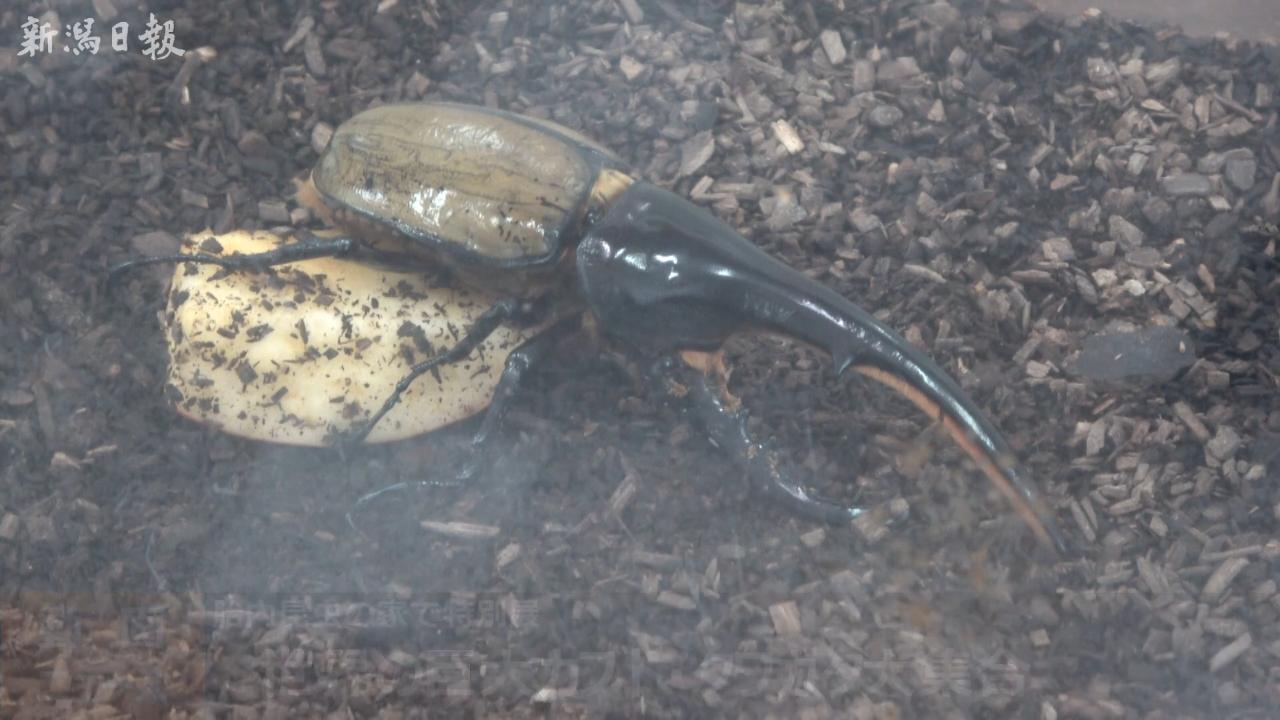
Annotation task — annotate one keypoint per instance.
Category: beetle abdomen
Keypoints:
(482, 184)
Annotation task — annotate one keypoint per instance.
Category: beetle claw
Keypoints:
(726, 425)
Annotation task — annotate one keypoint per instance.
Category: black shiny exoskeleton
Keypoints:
(549, 218)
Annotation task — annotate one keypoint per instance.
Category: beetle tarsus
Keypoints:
(728, 429)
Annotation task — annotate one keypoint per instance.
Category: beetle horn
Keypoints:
(675, 275)
(802, 308)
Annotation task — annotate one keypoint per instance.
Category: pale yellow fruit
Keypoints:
(313, 348)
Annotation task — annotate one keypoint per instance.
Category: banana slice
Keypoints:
(311, 349)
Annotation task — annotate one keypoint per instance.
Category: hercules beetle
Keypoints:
(550, 221)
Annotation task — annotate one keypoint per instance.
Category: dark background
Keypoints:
(995, 189)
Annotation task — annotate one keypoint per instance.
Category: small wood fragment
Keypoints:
(625, 491)
(105, 10)
(9, 526)
(630, 67)
(1230, 653)
(786, 618)
(60, 677)
(787, 136)
(461, 530)
(833, 45)
(633, 11)
(874, 524)
(301, 33)
(1188, 418)
(273, 211)
(695, 152)
(507, 555)
(924, 273)
(194, 199)
(1221, 578)
(321, 134)
(676, 600)
(814, 538)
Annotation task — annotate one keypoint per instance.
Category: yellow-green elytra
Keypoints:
(477, 185)
(312, 348)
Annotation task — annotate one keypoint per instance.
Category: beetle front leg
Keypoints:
(308, 248)
(484, 326)
(700, 378)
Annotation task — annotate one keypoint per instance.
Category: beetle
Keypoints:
(554, 225)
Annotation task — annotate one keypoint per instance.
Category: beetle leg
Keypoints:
(483, 327)
(513, 374)
(726, 423)
(306, 249)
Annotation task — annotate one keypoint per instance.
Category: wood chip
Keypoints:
(105, 10)
(786, 618)
(313, 56)
(873, 525)
(9, 526)
(695, 152)
(273, 211)
(1188, 418)
(1082, 521)
(626, 489)
(194, 199)
(507, 555)
(833, 45)
(656, 560)
(1221, 578)
(633, 11)
(60, 677)
(461, 530)
(1230, 653)
(300, 33)
(787, 136)
(814, 538)
(321, 134)
(630, 67)
(676, 600)
(63, 461)
(924, 273)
